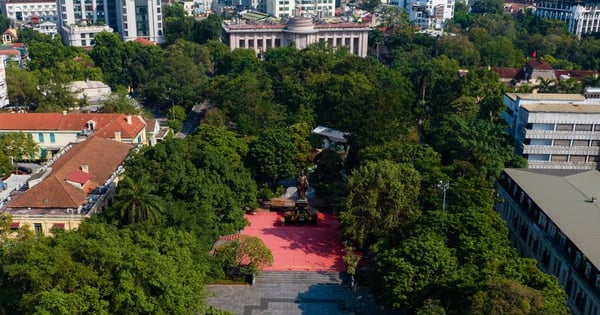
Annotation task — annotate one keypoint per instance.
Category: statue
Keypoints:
(302, 185)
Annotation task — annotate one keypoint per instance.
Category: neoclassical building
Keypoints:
(581, 16)
(301, 31)
(552, 216)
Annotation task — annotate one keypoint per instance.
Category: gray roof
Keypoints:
(565, 198)
(332, 134)
(546, 96)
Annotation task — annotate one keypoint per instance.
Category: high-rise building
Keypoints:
(80, 21)
(22, 11)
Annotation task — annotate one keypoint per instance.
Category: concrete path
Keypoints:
(293, 293)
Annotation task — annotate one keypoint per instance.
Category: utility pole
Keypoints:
(443, 185)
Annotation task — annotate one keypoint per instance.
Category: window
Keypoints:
(583, 127)
(83, 43)
(521, 197)
(564, 127)
(52, 138)
(564, 143)
(41, 137)
(598, 281)
(580, 143)
(542, 220)
(588, 269)
(242, 43)
(38, 228)
(577, 260)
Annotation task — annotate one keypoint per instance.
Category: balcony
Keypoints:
(562, 150)
(562, 165)
(551, 134)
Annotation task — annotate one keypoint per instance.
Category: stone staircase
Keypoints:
(317, 277)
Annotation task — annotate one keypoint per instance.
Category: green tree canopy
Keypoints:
(382, 197)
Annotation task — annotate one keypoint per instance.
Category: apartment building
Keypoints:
(302, 31)
(560, 131)
(22, 11)
(582, 17)
(3, 87)
(428, 14)
(80, 21)
(552, 216)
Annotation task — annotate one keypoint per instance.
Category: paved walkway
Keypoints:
(291, 298)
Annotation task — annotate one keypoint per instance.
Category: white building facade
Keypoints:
(581, 16)
(24, 10)
(3, 87)
(429, 14)
(560, 131)
(80, 22)
(299, 30)
(552, 217)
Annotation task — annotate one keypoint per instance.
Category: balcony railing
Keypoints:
(562, 150)
(551, 134)
(562, 165)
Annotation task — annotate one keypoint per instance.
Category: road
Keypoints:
(192, 121)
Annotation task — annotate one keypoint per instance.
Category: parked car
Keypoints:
(3, 186)
(22, 170)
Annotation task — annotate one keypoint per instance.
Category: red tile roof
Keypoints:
(538, 65)
(103, 157)
(79, 177)
(106, 124)
(144, 41)
(509, 73)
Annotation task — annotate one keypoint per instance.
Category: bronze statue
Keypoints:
(302, 185)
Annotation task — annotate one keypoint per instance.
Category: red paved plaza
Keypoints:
(299, 248)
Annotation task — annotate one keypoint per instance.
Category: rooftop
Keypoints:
(546, 96)
(565, 198)
(562, 108)
(100, 157)
(106, 124)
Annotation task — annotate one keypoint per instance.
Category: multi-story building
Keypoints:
(301, 31)
(23, 10)
(54, 131)
(80, 22)
(555, 130)
(76, 186)
(3, 87)
(582, 17)
(552, 216)
(429, 14)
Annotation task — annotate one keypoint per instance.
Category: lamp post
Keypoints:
(443, 185)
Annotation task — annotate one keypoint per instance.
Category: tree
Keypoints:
(505, 296)
(18, 146)
(207, 29)
(487, 7)
(109, 54)
(136, 201)
(244, 256)
(382, 197)
(273, 156)
(100, 269)
(22, 86)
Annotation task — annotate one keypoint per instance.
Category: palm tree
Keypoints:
(136, 201)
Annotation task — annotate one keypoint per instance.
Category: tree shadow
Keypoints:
(337, 299)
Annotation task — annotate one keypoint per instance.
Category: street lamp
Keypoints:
(443, 185)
